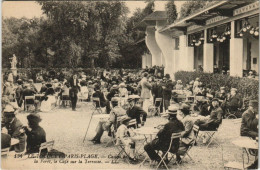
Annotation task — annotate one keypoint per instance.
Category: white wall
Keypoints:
(166, 44)
(153, 46)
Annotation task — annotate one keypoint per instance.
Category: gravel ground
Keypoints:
(68, 128)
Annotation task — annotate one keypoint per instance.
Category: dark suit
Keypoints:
(5, 140)
(103, 101)
(19, 95)
(135, 113)
(73, 93)
(249, 124)
(35, 138)
(43, 89)
(164, 139)
(167, 91)
(214, 121)
(14, 131)
(111, 94)
(233, 103)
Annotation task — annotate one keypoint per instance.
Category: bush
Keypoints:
(248, 88)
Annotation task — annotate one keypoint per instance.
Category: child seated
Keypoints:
(124, 137)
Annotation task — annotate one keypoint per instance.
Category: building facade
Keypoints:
(223, 37)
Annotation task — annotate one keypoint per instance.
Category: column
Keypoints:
(149, 60)
(176, 62)
(208, 55)
(186, 55)
(236, 53)
(166, 44)
(153, 46)
(144, 61)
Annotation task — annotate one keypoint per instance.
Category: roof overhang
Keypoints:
(222, 8)
(151, 19)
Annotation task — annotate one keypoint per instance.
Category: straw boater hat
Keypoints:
(133, 97)
(172, 110)
(9, 110)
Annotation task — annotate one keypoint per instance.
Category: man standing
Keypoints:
(157, 92)
(167, 91)
(19, 93)
(145, 91)
(75, 88)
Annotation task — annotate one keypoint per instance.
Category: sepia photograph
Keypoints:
(130, 84)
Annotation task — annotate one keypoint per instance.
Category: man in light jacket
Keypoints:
(145, 91)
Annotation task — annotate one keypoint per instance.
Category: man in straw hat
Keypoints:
(135, 112)
(163, 139)
(35, 134)
(14, 128)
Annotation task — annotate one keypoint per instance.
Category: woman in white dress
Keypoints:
(83, 90)
(49, 98)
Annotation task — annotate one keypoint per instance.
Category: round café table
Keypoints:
(101, 116)
(147, 131)
(246, 143)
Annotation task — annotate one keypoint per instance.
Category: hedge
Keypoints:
(248, 88)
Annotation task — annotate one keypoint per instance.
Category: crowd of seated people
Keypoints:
(117, 90)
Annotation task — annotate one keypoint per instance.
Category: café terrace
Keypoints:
(220, 38)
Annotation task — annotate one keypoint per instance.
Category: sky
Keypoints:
(30, 9)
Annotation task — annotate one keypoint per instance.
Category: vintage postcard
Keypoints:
(130, 84)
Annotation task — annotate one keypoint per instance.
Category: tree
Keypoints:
(19, 37)
(171, 12)
(91, 27)
(130, 50)
(190, 7)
